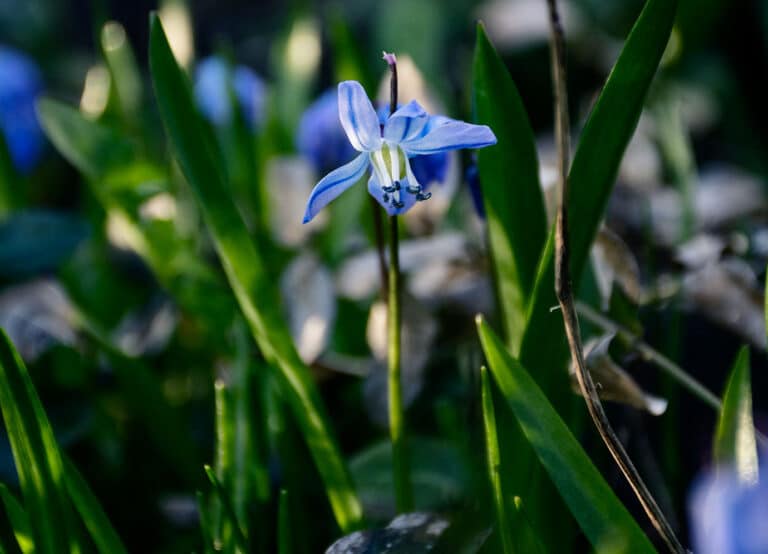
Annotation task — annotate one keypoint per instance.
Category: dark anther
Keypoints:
(412, 189)
(421, 196)
(398, 204)
(391, 188)
(385, 197)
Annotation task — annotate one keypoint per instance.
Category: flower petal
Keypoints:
(406, 123)
(333, 184)
(443, 134)
(358, 117)
(386, 199)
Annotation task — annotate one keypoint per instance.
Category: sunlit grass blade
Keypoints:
(494, 463)
(123, 70)
(100, 528)
(18, 520)
(603, 518)
(239, 537)
(735, 443)
(593, 171)
(509, 179)
(253, 288)
(38, 463)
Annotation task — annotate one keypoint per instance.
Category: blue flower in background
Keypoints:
(213, 77)
(727, 516)
(472, 176)
(20, 85)
(387, 149)
(321, 137)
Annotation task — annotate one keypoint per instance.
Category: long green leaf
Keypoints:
(238, 541)
(603, 518)
(494, 462)
(735, 442)
(193, 148)
(18, 520)
(509, 176)
(36, 454)
(100, 528)
(596, 161)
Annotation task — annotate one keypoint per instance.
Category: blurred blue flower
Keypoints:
(727, 516)
(20, 85)
(321, 137)
(388, 148)
(472, 176)
(213, 79)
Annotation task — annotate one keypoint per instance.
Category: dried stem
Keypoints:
(564, 293)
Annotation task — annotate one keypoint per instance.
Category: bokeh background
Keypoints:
(683, 266)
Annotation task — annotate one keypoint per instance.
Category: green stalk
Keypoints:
(494, 462)
(403, 491)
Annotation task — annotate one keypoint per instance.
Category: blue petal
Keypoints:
(443, 134)
(406, 123)
(333, 184)
(385, 199)
(358, 117)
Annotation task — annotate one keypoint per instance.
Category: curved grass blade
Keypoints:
(603, 518)
(37, 458)
(96, 521)
(509, 175)
(18, 520)
(253, 288)
(595, 164)
(735, 443)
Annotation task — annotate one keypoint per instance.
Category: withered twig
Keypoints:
(565, 293)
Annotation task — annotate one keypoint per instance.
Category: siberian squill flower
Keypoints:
(213, 77)
(20, 85)
(387, 150)
(320, 138)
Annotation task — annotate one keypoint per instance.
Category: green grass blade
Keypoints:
(509, 175)
(206, 528)
(37, 458)
(9, 179)
(603, 518)
(735, 443)
(238, 537)
(96, 521)
(494, 462)
(253, 288)
(19, 522)
(595, 164)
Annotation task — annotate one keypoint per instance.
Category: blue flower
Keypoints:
(20, 85)
(728, 516)
(213, 79)
(321, 137)
(472, 176)
(408, 132)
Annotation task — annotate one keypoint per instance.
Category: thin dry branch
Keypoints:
(564, 293)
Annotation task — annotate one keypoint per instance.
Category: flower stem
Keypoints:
(400, 465)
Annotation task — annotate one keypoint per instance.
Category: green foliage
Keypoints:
(104, 536)
(37, 458)
(735, 442)
(193, 148)
(49, 484)
(593, 171)
(509, 176)
(603, 518)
